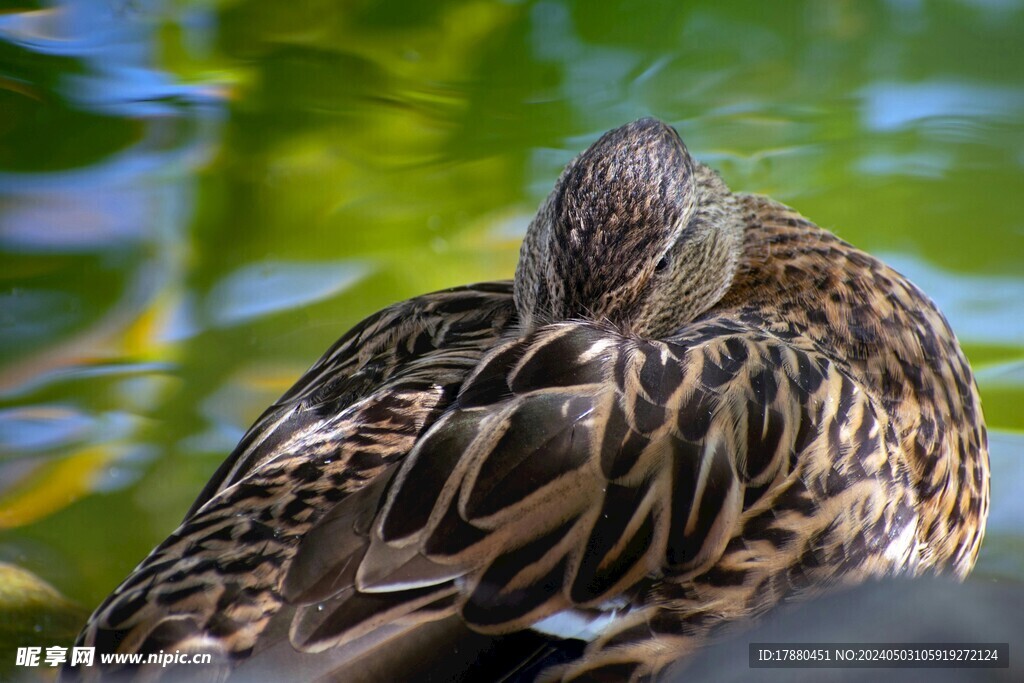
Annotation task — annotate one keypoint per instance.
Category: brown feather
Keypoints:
(700, 404)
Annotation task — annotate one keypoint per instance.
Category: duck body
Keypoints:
(469, 476)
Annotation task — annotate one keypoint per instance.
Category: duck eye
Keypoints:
(662, 264)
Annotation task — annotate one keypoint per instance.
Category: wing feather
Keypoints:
(287, 518)
(571, 467)
(629, 459)
(397, 339)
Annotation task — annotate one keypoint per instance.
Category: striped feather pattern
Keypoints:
(448, 474)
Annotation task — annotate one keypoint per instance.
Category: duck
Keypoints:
(689, 407)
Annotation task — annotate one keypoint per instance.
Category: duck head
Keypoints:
(635, 233)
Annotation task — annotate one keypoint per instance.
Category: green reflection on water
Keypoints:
(153, 155)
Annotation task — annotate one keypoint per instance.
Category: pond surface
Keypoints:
(197, 198)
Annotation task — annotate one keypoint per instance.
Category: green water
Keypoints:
(197, 198)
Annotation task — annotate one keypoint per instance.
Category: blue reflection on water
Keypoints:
(891, 106)
(1000, 554)
(115, 197)
(931, 164)
(132, 206)
(1007, 480)
(263, 288)
(34, 429)
(127, 206)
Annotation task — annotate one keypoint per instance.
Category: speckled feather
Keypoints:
(464, 464)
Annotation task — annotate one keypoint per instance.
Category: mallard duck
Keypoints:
(689, 406)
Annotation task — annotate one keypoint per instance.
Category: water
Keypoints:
(197, 198)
